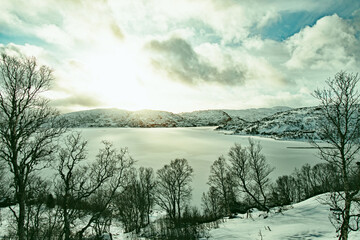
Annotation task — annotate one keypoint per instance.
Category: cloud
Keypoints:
(53, 34)
(78, 100)
(231, 21)
(116, 30)
(330, 43)
(235, 21)
(178, 59)
(67, 24)
(224, 46)
(42, 56)
(21, 50)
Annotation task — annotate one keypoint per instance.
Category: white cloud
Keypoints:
(96, 47)
(27, 50)
(53, 34)
(232, 21)
(67, 24)
(329, 44)
(18, 50)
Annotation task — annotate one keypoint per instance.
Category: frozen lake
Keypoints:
(155, 147)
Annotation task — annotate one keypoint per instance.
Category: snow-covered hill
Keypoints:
(297, 123)
(277, 122)
(98, 118)
(151, 118)
(304, 220)
(206, 117)
(254, 114)
(122, 118)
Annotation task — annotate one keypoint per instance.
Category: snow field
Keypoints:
(305, 220)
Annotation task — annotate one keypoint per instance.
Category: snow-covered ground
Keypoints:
(255, 114)
(305, 220)
(299, 124)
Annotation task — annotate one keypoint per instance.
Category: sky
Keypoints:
(184, 55)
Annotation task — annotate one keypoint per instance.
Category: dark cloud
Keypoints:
(76, 100)
(117, 31)
(178, 59)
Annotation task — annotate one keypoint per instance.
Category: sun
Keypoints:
(116, 77)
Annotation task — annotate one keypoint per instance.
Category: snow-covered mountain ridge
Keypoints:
(151, 118)
(299, 123)
(277, 122)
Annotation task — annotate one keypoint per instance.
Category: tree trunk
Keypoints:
(344, 232)
(178, 209)
(174, 209)
(226, 201)
(66, 223)
(260, 205)
(148, 208)
(22, 210)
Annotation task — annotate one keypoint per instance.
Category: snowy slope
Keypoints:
(151, 118)
(122, 118)
(255, 114)
(145, 118)
(305, 220)
(297, 123)
(206, 117)
(98, 118)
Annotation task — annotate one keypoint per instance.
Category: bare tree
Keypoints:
(220, 180)
(325, 178)
(42, 221)
(70, 156)
(211, 202)
(28, 126)
(340, 129)
(135, 202)
(260, 170)
(147, 182)
(130, 205)
(5, 187)
(107, 176)
(305, 181)
(173, 187)
(249, 168)
(284, 190)
(84, 184)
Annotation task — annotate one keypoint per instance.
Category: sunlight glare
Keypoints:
(117, 69)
